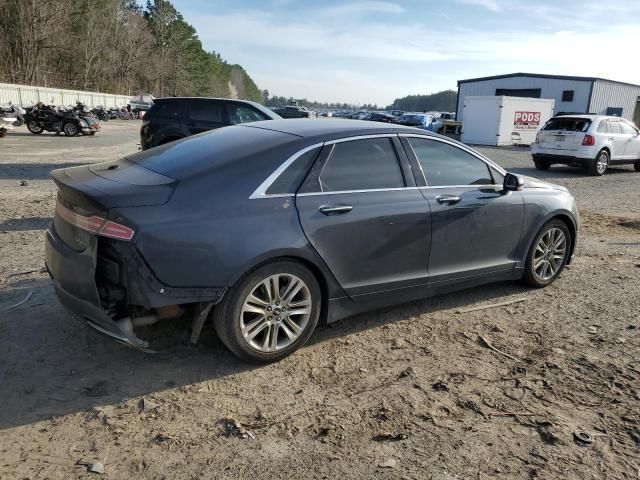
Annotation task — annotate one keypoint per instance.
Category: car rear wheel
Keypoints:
(599, 166)
(271, 312)
(70, 129)
(541, 164)
(548, 254)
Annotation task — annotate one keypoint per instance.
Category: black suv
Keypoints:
(174, 118)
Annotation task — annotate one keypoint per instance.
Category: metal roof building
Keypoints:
(571, 94)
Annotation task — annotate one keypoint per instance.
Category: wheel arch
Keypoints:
(573, 231)
(329, 287)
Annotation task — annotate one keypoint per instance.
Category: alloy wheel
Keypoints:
(603, 162)
(275, 313)
(549, 254)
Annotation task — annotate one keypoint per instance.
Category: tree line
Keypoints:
(113, 46)
(444, 101)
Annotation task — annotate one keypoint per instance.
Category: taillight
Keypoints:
(95, 224)
(588, 140)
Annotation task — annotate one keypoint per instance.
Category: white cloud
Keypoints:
(488, 4)
(359, 8)
(351, 60)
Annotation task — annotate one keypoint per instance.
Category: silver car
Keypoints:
(590, 141)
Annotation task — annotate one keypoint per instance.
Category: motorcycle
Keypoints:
(47, 118)
(6, 124)
(17, 112)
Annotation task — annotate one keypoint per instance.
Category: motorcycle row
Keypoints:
(73, 121)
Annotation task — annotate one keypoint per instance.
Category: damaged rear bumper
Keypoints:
(82, 291)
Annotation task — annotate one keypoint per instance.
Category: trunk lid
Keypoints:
(93, 190)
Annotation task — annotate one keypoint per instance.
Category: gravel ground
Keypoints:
(410, 392)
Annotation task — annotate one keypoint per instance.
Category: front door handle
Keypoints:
(335, 209)
(448, 199)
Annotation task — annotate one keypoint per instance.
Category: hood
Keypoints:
(530, 182)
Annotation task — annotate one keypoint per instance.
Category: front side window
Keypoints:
(628, 129)
(446, 165)
(361, 165)
(243, 114)
(206, 111)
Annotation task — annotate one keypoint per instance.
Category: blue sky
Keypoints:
(364, 51)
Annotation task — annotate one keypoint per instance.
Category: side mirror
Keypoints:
(512, 183)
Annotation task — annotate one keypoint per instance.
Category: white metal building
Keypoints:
(26, 95)
(571, 94)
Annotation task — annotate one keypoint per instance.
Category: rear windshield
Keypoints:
(187, 157)
(568, 124)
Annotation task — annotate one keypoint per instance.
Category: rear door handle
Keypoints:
(335, 209)
(448, 199)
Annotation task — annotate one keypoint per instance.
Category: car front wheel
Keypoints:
(271, 312)
(548, 254)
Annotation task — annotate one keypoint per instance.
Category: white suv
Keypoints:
(590, 141)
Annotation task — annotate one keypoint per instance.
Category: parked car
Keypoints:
(593, 142)
(170, 119)
(270, 224)
(380, 117)
(293, 111)
(396, 113)
(424, 121)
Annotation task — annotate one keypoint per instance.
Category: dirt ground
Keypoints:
(411, 392)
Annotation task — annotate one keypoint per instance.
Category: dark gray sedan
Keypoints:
(270, 227)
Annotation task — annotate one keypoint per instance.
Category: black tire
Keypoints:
(637, 166)
(530, 276)
(227, 314)
(34, 127)
(18, 122)
(596, 167)
(541, 164)
(3, 132)
(70, 129)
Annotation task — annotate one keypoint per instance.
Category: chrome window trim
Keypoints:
(490, 164)
(312, 194)
(261, 191)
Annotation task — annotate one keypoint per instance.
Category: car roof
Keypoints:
(587, 116)
(329, 127)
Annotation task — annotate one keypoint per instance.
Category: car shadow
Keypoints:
(24, 224)
(32, 171)
(52, 364)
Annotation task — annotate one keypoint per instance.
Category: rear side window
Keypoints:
(614, 126)
(446, 165)
(290, 179)
(361, 165)
(243, 114)
(568, 124)
(206, 111)
(602, 127)
(169, 109)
